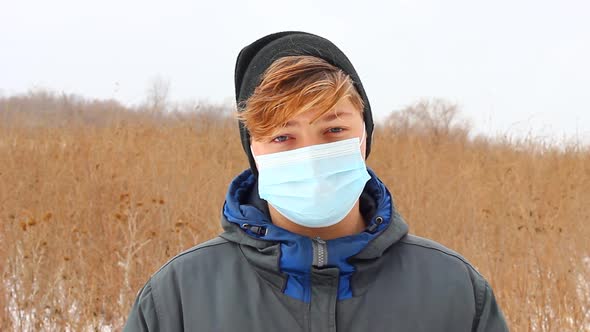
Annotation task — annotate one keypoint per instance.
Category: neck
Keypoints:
(353, 223)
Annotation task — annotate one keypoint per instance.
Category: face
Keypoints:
(344, 122)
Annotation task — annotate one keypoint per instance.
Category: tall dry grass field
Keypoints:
(94, 198)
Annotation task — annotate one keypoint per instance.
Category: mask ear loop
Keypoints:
(362, 139)
(252, 152)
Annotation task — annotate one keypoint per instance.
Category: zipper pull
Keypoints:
(320, 252)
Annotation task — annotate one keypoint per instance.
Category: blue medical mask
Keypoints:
(314, 186)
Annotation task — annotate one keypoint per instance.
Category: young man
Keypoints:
(312, 240)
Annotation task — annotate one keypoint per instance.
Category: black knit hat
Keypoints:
(256, 57)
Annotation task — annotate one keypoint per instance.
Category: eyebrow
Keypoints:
(323, 119)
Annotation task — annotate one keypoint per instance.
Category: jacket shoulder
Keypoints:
(437, 248)
(481, 287)
(159, 300)
(434, 249)
(192, 253)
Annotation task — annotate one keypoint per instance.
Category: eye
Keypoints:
(335, 130)
(280, 139)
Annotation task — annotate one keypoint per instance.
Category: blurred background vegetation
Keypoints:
(96, 196)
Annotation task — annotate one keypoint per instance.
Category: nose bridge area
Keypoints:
(309, 140)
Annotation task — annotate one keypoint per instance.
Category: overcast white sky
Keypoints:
(514, 66)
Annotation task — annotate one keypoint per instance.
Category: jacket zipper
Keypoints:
(320, 252)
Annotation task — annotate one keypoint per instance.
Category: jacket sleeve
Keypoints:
(489, 316)
(143, 315)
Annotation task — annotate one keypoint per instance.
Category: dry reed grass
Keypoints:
(94, 198)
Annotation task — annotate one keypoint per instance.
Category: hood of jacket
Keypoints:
(286, 259)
